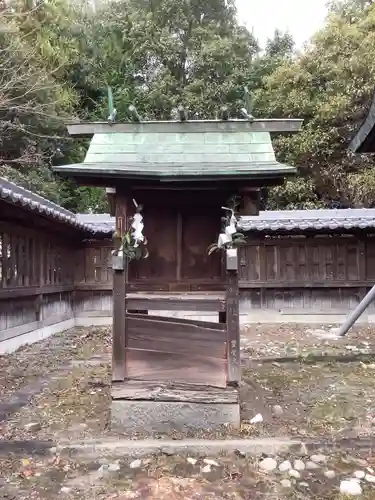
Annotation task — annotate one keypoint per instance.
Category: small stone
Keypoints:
(113, 467)
(53, 450)
(206, 468)
(311, 465)
(277, 410)
(191, 461)
(350, 488)
(257, 419)
(208, 461)
(268, 464)
(299, 465)
(359, 461)
(275, 363)
(167, 452)
(330, 474)
(33, 427)
(135, 464)
(240, 453)
(303, 451)
(294, 473)
(303, 484)
(318, 459)
(65, 490)
(359, 474)
(285, 466)
(285, 483)
(102, 470)
(371, 366)
(370, 478)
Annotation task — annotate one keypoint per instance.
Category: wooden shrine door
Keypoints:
(178, 276)
(177, 350)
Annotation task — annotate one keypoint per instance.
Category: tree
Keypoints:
(162, 53)
(33, 102)
(328, 85)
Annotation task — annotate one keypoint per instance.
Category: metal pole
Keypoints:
(361, 307)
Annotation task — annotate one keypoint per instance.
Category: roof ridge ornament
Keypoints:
(246, 112)
(112, 112)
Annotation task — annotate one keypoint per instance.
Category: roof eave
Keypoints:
(83, 171)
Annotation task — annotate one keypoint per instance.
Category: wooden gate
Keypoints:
(165, 349)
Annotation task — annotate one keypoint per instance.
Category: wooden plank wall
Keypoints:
(45, 279)
(316, 273)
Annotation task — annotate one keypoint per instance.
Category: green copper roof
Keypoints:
(180, 152)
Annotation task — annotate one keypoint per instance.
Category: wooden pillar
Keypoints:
(250, 204)
(119, 300)
(233, 319)
(233, 329)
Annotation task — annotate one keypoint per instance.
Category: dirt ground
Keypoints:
(59, 390)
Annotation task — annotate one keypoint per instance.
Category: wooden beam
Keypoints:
(193, 126)
(119, 295)
(111, 196)
(250, 202)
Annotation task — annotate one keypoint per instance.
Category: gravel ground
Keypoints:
(59, 389)
(292, 476)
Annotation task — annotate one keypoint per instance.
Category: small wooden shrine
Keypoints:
(169, 183)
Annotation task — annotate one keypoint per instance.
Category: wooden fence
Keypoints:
(46, 278)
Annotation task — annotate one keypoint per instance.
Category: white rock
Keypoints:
(208, 461)
(206, 468)
(191, 460)
(257, 419)
(294, 473)
(303, 451)
(114, 467)
(299, 465)
(285, 466)
(350, 488)
(330, 474)
(33, 427)
(371, 366)
(135, 464)
(268, 464)
(359, 474)
(285, 483)
(303, 484)
(311, 465)
(318, 459)
(277, 410)
(65, 490)
(370, 478)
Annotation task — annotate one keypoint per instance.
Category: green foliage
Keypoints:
(163, 53)
(329, 85)
(59, 58)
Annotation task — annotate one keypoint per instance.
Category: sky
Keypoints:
(300, 17)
